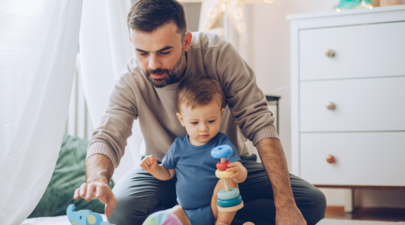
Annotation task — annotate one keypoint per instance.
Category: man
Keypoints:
(164, 54)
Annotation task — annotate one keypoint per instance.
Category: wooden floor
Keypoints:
(379, 214)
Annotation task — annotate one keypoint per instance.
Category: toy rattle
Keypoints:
(84, 217)
(229, 199)
(162, 218)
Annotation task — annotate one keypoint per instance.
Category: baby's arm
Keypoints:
(239, 172)
(149, 163)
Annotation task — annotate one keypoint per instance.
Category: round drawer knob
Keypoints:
(330, 159)
(330, 53)
(330, 106)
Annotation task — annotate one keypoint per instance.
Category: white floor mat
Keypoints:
(57, 220)
(63, 220)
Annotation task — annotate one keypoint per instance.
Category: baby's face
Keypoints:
(202, 123)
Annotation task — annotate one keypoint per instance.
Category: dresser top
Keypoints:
(346, 12)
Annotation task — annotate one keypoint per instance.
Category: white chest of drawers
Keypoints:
(365, 82)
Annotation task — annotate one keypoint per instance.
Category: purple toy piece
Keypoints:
(162, 218)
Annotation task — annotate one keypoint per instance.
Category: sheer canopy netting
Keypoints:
(38, 47)
(105, 48)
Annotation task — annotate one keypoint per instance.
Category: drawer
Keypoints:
(361, 158)
(373, 104)
(361, 51)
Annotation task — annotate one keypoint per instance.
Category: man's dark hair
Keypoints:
(148, 15)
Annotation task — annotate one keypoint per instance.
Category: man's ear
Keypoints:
(187, 41)
(180, 118)
(130, 37)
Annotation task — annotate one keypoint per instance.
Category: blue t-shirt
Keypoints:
(195, 169)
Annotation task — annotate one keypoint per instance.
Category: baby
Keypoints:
(199, 103)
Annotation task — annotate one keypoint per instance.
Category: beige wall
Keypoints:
(270, 52)
(270, 59)
(269, 56)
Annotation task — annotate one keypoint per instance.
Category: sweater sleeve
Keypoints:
(110, 138)
(246, 100)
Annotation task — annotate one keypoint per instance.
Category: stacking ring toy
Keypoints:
(226, 195)
(229, 199)
(230, 202)
(222, 174)
(230, 209)
(221, 151)
(223, 166)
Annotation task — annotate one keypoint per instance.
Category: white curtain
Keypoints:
(38, 46)
(227, 19)
(105, 48)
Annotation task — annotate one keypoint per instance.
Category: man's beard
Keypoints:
(171, 74)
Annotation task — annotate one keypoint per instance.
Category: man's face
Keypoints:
(160, 54)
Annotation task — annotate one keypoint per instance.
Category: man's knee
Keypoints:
(259, 211)
(315, 206)
(128, 211)
(138, 195)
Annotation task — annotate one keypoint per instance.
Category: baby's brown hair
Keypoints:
(199, 90)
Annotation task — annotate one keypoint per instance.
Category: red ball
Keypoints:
(223, 166)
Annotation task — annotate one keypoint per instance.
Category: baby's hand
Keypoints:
(239, 172)
(149, 163)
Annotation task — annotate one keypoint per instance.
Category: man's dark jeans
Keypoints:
(139, 194)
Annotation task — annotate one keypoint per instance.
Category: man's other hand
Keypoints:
(98, 190)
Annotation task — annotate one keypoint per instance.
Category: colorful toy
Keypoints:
(353, 4)
(162, 218)
(84, 217)
(229, 199)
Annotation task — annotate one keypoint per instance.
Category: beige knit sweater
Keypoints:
(133, 97)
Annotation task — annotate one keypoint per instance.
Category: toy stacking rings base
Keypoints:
(229, 199)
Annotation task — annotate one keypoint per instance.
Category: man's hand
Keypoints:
(289, 215)
(149, 163)
(239, 172)
(275, 164)
(99, 170)
(97, 190)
